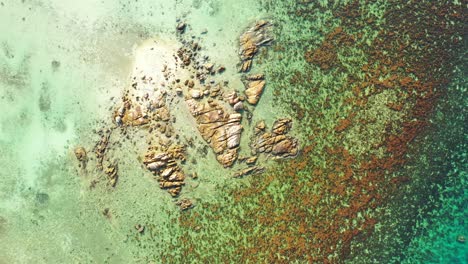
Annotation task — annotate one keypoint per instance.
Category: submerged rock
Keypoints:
(181, 27)
(81, 155)
(276, 142)
(140, 228)
(185, 204)
(249, 171)
(101, 147)
(111, 172)
(282, 126)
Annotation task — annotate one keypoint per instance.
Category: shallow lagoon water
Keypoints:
(63, 68)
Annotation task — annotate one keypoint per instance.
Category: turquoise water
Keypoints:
(64, 67)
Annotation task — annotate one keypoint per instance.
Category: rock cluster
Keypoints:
(141, 110)
(250, 42)
(218, 128)
(166, 166)
(171, 76)
(276, 142)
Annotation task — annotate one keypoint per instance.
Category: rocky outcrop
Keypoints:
(221, 130)
(276, 142)
(165, 165)
(251, 41)
(141, 110)
(254, 86)
(101, 147)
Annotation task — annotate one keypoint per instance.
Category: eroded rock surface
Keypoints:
(101, 147)
(185, 204)
(254, 87)
(165, 165)
(275, 142)
(219, 128)
(251, 41)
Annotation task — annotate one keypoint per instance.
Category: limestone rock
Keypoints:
(288, 147)
(232, 98)
(164, 114)
(154, 166)
(233, 136)
(101, 147)
(255, 77)
(209, 66)
(181, 27)
(227, 158)
(251, 160)
(111, 172)
(260, 127)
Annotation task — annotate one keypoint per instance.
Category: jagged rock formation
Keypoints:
(218, 128)
(276, 142)
(165, 165)
(251, 41)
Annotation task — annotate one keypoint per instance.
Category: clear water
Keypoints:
(64, 66)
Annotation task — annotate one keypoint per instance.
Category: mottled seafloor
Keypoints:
(376, 90)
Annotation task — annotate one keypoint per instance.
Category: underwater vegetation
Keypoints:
(373, 74)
